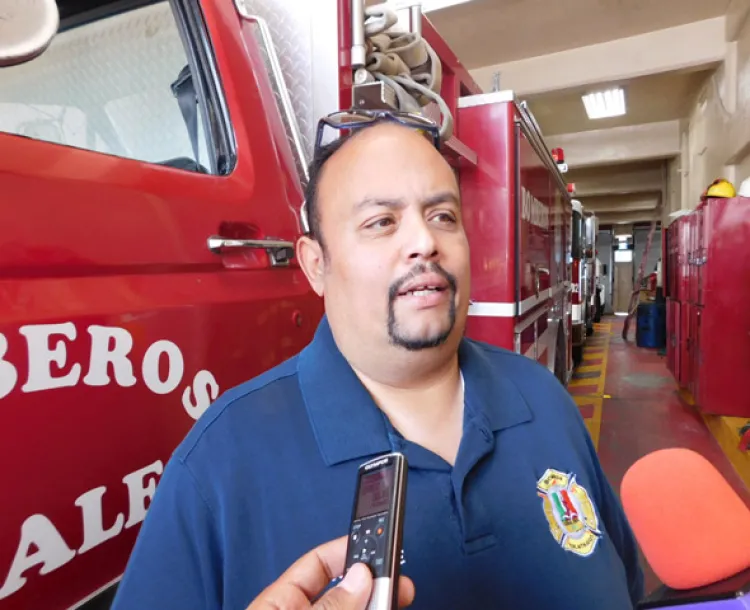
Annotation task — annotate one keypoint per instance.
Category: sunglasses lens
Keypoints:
(355, 119)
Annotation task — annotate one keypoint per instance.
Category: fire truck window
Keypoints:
(106, 86)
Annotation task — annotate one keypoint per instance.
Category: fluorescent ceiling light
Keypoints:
(605, 104)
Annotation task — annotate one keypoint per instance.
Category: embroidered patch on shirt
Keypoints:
(569, 511)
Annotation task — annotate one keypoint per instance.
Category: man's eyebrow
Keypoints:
(444, 197)
(367, 202)
(395, 203)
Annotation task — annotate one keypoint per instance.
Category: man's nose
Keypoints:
(420, 242)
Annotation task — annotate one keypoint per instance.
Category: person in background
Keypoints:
(507, 505)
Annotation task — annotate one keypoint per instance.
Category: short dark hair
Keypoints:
(321, 156)
(315, 169)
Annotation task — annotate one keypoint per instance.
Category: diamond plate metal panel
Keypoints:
(290, 26)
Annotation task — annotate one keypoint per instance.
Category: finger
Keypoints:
(314, 571)
(284, 595)
(406, 592)
(350, 599)
(305, 578)
(352, 593)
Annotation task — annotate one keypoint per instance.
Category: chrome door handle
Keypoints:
(279, 251)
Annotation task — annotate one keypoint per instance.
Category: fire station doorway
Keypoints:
(623, 284)
(624, 267)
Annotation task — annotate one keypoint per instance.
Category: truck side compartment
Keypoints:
(517, 218)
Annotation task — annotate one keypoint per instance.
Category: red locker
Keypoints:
(720, 320)
(694, 383)
(686, 351)
(674, 270)
(695, 254)
(673, 337)
(683, 247)
(675, 260)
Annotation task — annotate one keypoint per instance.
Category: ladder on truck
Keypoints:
(635, 296)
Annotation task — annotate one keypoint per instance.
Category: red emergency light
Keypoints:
(558, 155)
(571, 187)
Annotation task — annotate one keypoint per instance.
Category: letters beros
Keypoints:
(47, 352)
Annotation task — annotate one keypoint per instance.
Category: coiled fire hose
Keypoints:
(406, 63)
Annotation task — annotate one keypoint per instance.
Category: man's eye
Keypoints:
(443, 217)
(380, 223)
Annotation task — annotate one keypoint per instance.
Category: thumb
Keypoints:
(352, 593)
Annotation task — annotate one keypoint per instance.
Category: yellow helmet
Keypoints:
(720, 188)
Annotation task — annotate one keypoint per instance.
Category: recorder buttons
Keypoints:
(365, 549)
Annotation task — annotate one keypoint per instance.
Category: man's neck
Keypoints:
(427, 409)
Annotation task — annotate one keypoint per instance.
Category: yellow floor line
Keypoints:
(577, 383)
(726, 431)
(597, 349)
(594, 423)
(605, 358)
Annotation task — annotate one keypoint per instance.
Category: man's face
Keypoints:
(396, 266)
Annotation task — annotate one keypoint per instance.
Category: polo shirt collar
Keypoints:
(349, 425)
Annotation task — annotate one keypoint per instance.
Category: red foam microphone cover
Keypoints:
(692, 527)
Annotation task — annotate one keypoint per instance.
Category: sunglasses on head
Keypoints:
(353, 119)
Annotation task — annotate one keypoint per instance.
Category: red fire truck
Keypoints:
(152, 161)
(584, 272)
(591, 230)
(579, 290)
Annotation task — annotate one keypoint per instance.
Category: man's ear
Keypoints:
(310, 257)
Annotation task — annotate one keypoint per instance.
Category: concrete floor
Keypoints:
(632, 407)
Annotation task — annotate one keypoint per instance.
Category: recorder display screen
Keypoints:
(374, 492)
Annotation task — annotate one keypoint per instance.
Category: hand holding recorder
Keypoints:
(370, 556)
(296, 588)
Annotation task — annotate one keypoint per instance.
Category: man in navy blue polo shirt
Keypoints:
(507, 505)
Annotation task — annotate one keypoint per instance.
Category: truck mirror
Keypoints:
(26, 29)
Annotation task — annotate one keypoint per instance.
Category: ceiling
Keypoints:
(656, 97)
(507, 30)
(661, 84)
(601, 173)
(626, 192)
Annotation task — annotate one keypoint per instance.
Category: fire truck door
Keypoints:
(144, 272)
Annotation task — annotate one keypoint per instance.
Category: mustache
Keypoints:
(418, 270)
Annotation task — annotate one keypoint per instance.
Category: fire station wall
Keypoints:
(674, 187)
(719, 123)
